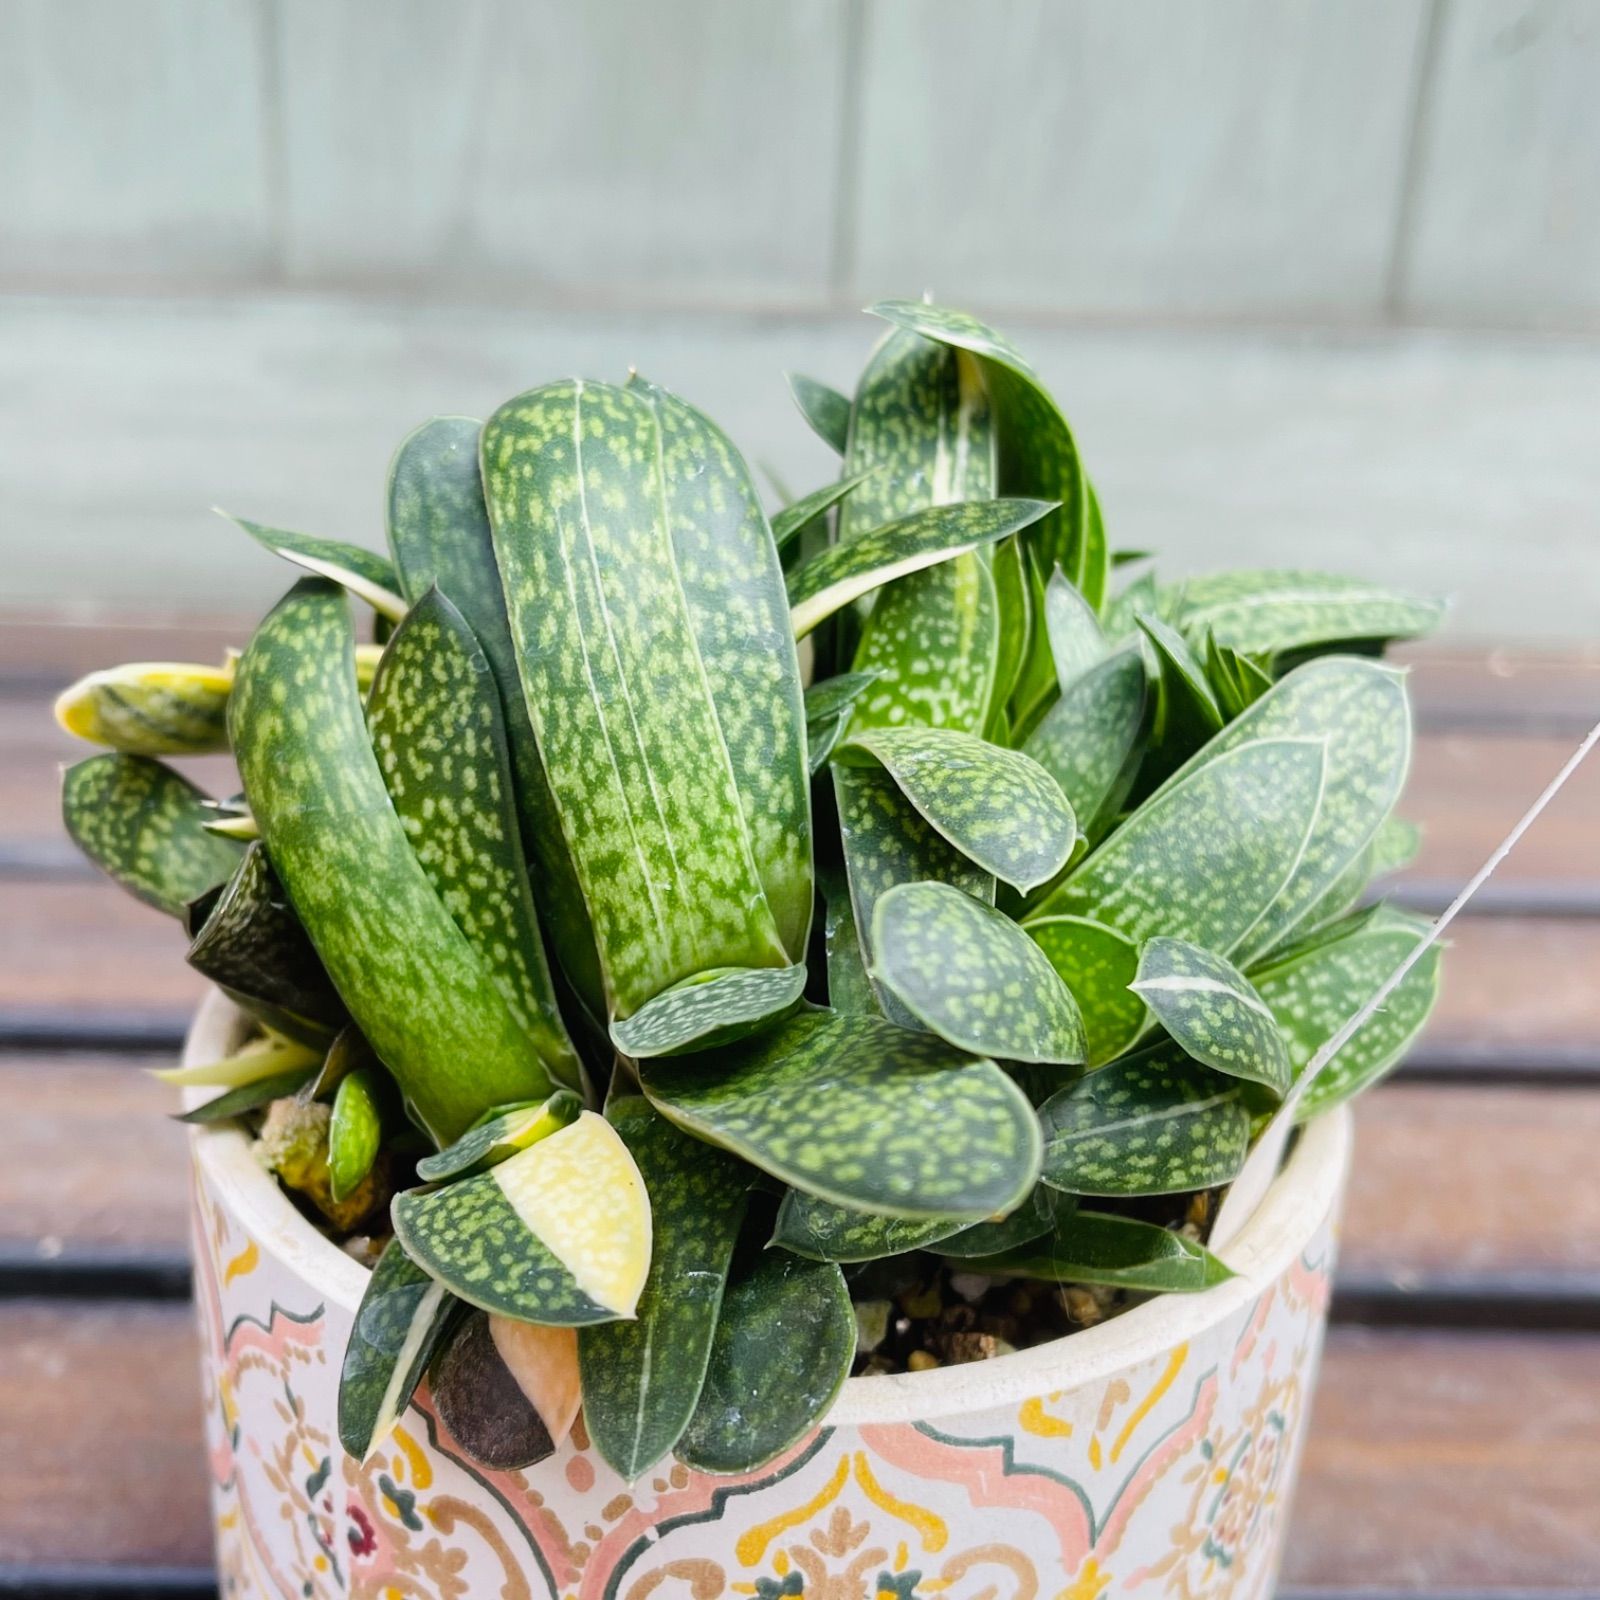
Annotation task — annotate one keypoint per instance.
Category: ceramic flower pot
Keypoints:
(1152, 1455)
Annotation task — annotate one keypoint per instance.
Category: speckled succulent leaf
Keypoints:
(618, 683)
(1077, 642)
(1187, 714)
(437, 728)
(142, 823)
(789, 522)
(849, 989)
(1097, 964)
(970, 975)
(363, 572)
(886, 841)
(1151, 1123)
(269, 1056)
(857, 1111)
(845, 572)
(1359, 708)
(1037, 685)
(733, 583)
(1316, 987)
(252, 945)
(921, 423)
(833, 695)
(410, 978)
(712, 1009)
(439, 533)
(497, 1138)
(1142, 594)
(822, 739)
(825, 409)
(642, 1379)
(1269, 613)
(1394, 845)
(558, 1235)
(1208, 855)
(249, 1097)
(1213, 1012)
(1089, 741)
(823, 1231)
(1035, 1217)
(1237, 680)
(788, 1315)
(1037, 455)
(998, 807)
(356, 1132)
(1014, 612)
(150, 708)
(1097, 1247)
(397, 1329)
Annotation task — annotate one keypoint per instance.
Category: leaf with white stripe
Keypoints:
(363, 572)
(150, 708)
(1213, 1012)
(1153, 1123)
(794, 519)
(1122, 1252)
(708, 1010)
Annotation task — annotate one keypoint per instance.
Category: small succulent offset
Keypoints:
(682, 932)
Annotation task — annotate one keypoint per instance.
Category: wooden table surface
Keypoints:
(1455, 1445)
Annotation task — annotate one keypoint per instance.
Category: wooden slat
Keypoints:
(1508, 149)
(1503, 689)
(94, 1187)
(1135, 160)
(1435, 1462)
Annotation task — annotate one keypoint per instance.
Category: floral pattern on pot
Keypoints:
(1168, 1477)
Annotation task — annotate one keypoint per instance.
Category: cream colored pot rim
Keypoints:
(1302, 1197)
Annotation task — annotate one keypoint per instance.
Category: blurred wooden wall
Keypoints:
(1344, 161)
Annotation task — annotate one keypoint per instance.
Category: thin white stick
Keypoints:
(1250, 1187)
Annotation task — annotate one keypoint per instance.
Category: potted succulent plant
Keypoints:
(731, 1034)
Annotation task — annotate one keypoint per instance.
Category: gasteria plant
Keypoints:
(658, 986)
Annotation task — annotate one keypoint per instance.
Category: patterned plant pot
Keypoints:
(1152, 1455)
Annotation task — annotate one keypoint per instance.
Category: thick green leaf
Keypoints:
(1140, 595)
(1207, 856)
(1097, 964)
(1014, 611)
(1212, 1012)
(498, 1137)
(999, 808)
(738, 607)
(559, 1234)
(933, 643)
(1037, 686)
(829, 706)
(1360, 710)
(355, 1132)
(1033, 1219)
(822, 1231)
(642, 1379)
(143, 824)
(253, 946)
(1316, 987)
(1152, 1123)
(439, 534)
(589, 488)
(1237, 680)
(436, 725)
(249, 1097)
(411, 980)
(849, 989)
(1268, 613)
(150, 708)
(363, 572)
(1077, 644)
(857, 1111)
(793, 519)
(1037, 455)
(969, 974)
(825, 409)
(1090, 740)
(398, 1326)
(267, 1056)
(1095, 1247)
(886, 841)
(1394, 846)
(921, 423)
(1187, 713)
(845, 572)
(709, 1010)
(784, 1315)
